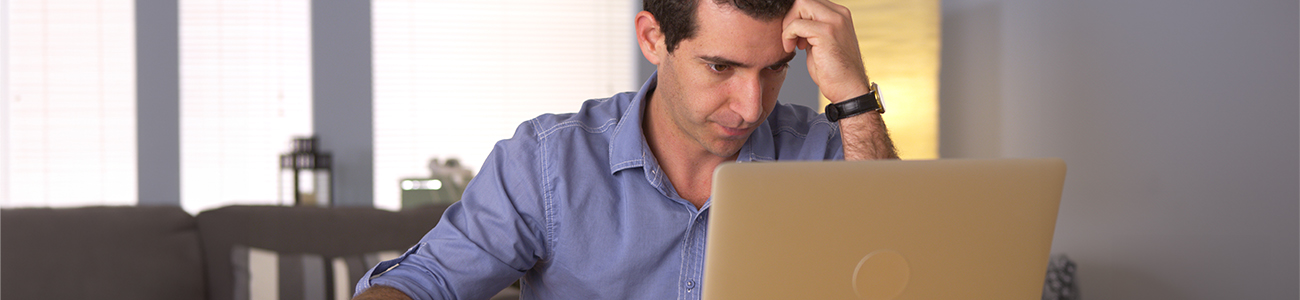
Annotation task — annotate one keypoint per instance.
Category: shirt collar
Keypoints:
(628, 148)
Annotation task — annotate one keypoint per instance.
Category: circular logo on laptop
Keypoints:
(881, 275)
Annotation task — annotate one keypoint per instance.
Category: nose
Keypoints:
(748, 99)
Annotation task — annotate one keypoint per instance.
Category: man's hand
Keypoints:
(825, 31)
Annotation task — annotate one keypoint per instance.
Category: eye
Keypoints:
(719, 67)
(779, 68)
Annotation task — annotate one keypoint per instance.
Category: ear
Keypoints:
(650, 38)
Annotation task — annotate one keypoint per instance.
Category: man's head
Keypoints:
(677, 18)
(720, 69)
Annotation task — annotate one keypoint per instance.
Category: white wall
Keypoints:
(1179, 121)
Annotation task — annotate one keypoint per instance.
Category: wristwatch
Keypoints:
(856, 106)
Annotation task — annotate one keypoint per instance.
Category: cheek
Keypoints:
(707, 94)
(693, 102)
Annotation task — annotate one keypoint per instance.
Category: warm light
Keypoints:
(432, 184)
(412, 184)
(899, 40)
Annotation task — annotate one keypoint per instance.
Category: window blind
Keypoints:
(245, 93)
(68, 112)
(453, 77)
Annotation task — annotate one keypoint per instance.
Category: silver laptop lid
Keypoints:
(941, 229)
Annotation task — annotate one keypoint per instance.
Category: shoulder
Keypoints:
(582, 135)
(595, 116)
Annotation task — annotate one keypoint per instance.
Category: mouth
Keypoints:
(735, 132)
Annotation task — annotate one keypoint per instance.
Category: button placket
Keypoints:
(698, 231)
(694, 256)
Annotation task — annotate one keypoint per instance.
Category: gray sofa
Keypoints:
(144, 252)
(157, 252)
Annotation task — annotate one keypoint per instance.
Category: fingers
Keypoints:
(805, 33)
(825, 30)
(795, 43)
(817, 10)
(813, 19)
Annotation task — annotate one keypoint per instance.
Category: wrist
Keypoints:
(868, 102)
(846, 90)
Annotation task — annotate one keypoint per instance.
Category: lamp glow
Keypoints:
(432, 184)
(900, 45)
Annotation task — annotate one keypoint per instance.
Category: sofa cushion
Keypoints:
(128, 252)
(266, 274)
(327, 232)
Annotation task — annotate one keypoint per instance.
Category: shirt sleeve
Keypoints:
(485, 241)
(800, 133)
(835, 142)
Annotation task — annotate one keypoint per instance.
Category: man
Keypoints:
(611, 202)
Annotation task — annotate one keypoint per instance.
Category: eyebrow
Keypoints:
(723, 61)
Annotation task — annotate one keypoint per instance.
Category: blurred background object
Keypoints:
(305, 174)
(445, 184)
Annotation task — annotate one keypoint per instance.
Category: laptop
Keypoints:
(939, 229)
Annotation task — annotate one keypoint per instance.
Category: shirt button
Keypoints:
(690, 284)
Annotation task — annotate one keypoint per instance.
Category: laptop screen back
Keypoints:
(942, 229)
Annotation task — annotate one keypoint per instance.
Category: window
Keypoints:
(67, 121)
(453, 77)
(245, 93)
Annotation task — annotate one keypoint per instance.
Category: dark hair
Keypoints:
(677, 17)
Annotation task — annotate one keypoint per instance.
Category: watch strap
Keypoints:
(855, 106)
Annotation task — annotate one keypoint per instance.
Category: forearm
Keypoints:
(380, 292)
(865, 137)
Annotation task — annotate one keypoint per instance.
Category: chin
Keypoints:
(727, 150)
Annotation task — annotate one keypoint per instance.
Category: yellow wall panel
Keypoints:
(899, 40)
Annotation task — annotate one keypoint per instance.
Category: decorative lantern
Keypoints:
(305, 174)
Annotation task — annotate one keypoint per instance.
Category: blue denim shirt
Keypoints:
(577, 205)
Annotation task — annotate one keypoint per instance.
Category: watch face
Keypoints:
(875, 92)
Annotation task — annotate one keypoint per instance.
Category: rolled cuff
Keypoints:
(392, 273)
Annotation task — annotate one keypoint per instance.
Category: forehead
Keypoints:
(725, 31)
